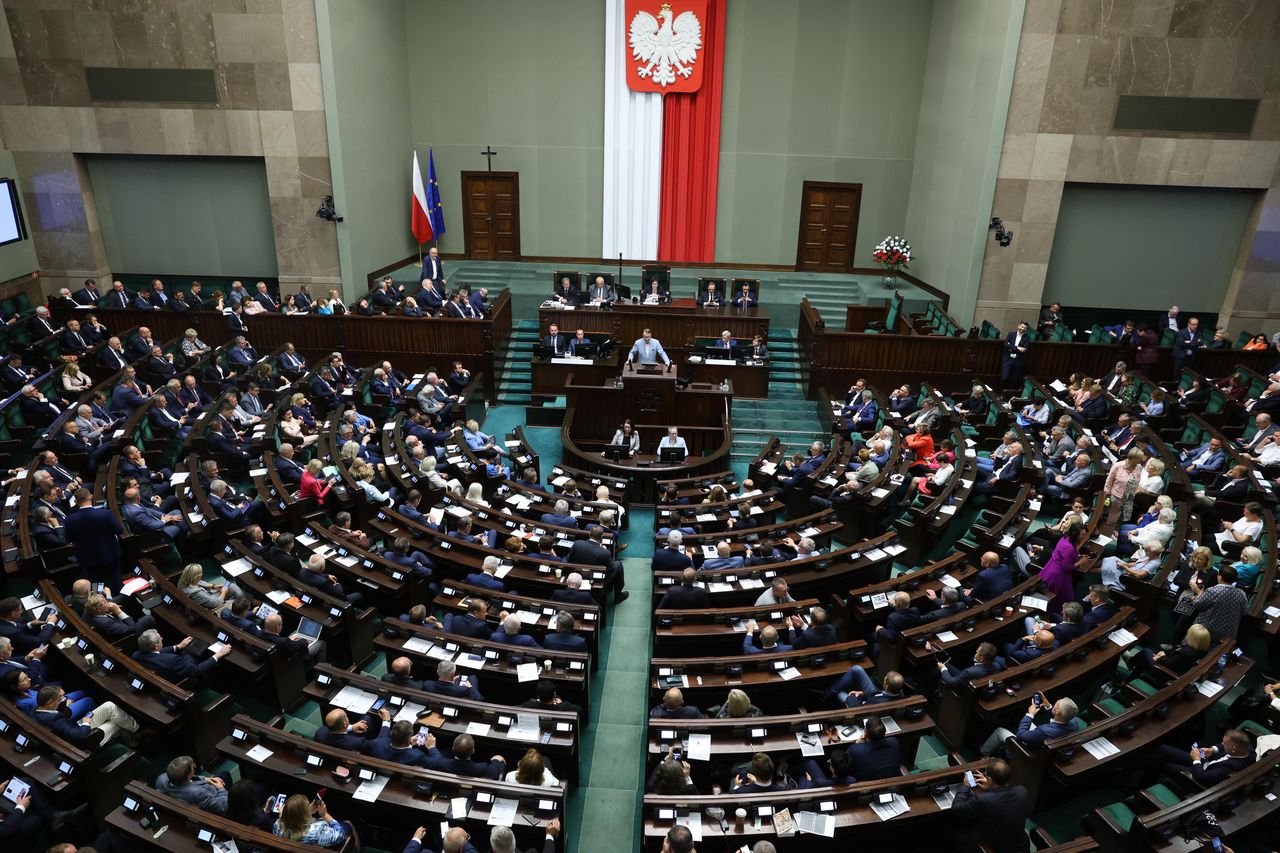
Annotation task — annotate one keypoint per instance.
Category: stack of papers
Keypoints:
(503, 812)
(810, 744)
(419, 645)
(815, 823)
(897, 805)
(1209, 688)
(526, 728)
(354, 700)
(1101, 748)
(369, 790)
(1122, 637)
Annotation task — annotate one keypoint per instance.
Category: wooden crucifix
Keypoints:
(489, 153)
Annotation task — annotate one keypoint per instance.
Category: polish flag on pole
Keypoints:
(420, 222)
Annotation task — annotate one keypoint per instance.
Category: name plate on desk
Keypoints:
(726, 362)
(570, 360)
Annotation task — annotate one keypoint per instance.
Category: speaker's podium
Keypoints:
(652, 395)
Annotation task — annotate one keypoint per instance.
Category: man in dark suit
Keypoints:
(940, 606)
(16, 374)
(112, 356)
(339, 732)
(684, 595)
(984, 665)
(289, 470)
(118, 297)
(992, 579)
(590, 552)
(562, 639)
(559, 516)
(100, 726)
(473, 623)
(901, 617)
(1101, 607)
(566, 293)
(875, 756)
(24, 636)
(41, 325)
(433, 269)
(313, 574)
(673, 557)
(463, 763)
(170, 661)
(1013, 359)
(88, 296)
(1050, 318)
(1211, 764)
(96, 532)
(37, 409)
(72, 340)
(449, 683)
(820, 631)
(557, 343)
(399, 673)
(673, 707)
(385, 297)
(509, 633)
(486, 578)
(993, 812)
(711, 297)
(395, 742)
(572, 591)
(430, 298)
(1185, 344)
(744, 298)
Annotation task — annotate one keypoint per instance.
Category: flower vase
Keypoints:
(890, 279)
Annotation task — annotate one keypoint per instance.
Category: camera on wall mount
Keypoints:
(327, 211)
(1004, 236)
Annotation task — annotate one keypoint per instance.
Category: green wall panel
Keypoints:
(1117, 245)
(824, 90)
(16, 259)
(365, 74)
(968, 77)
(527, 79)
(184, 215)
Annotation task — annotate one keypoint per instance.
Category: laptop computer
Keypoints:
(308, 629)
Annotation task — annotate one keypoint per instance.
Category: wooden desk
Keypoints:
(748, 379)
(550, 375)
(647, 397)
(709, 449)
(676, 325)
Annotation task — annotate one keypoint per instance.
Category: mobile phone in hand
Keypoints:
(969, 779)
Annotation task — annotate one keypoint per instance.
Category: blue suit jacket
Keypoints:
(564, 642)
(484, 580)
(63, 726)
(992, 581)
(96, 534)
(1042, 733)
(875, 759)
(749, 647)
(173, 664)
(1213, 463)
(501, 636)
(342, 740)
(466, 625)
(561, 520)
(670, 560)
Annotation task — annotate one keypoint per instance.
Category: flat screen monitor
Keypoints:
(671, 455)
(591, 350)
(12, 226)
(616, 452)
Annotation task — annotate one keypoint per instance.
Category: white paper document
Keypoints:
(369, 790)
(1101, 748)
(259, 753)
(699, 748)
(816, 823)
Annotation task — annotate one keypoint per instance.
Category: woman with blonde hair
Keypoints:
(310, 823)
(532, 769)
(475, 494)
(1121, 485)
(437, 480)
(207, 595)
(1151, 483)
(192, 346)
(74, 380)
(738, 705)
(1179, 661)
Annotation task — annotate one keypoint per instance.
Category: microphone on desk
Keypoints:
(668, 367)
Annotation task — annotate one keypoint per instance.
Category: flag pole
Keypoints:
(421, 260)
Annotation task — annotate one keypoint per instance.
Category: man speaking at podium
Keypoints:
(647, 350)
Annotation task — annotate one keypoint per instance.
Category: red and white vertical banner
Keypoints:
(691, 152)
(663, 83)
(632, 149)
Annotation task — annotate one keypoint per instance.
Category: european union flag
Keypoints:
(435, 210)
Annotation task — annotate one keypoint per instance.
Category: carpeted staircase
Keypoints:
(513, 364)
(786, 414)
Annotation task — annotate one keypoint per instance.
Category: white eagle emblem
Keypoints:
(669, 49)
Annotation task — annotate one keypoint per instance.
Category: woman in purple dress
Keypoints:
(1058, 572)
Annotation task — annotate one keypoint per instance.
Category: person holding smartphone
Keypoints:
(991, 810)
(309, 822)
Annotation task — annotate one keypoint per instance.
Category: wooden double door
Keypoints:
(828, 226)
(491, 215)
